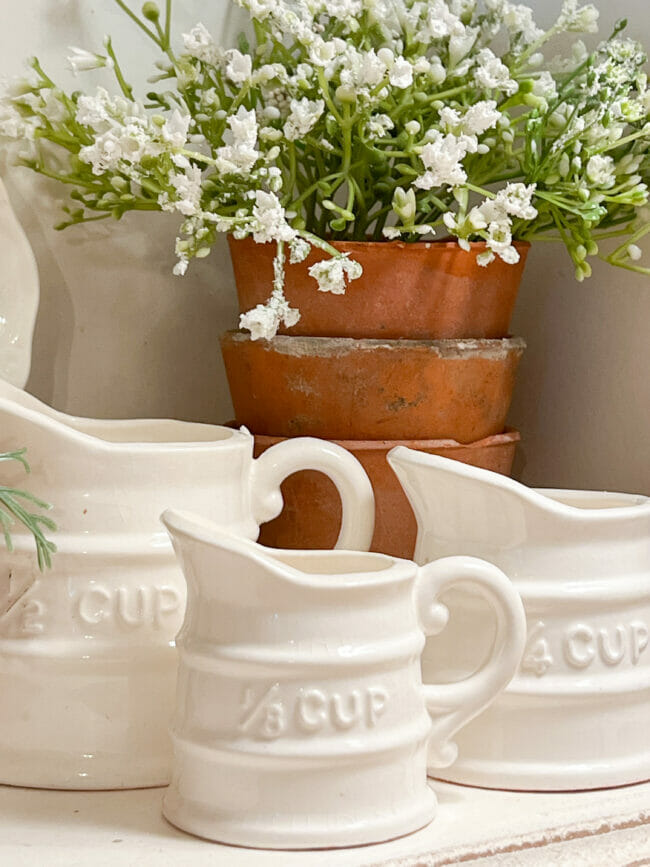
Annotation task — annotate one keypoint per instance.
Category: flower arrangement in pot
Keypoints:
(380, 167)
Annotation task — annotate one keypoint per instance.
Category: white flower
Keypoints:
(634, 252)
(262, 322)
(477, 119)
(544, 86)
(442, 157)
(93, 111)
(180, 268)
(363, 69)
(577, 19)
(304, 115)
(269, 221)
(490, 73)
(331, 273)
(412, 127)
(499, 240)
(299, 249)
(188, 192)
(238, 66)
(261, 9)
(516, 199)
(81, 60)
(175, 129)
(519, 21)
(322, 53)
(200, 44)
(460, 43)
(601, 171)
(378, 125)
(240, 154)
(392, 233)
(265, 319)
(401, 74)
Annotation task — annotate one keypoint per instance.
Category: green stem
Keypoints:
(140, 24)
(125, 87)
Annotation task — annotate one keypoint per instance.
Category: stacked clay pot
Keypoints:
(416, 352)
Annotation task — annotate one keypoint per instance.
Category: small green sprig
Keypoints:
(12, 509)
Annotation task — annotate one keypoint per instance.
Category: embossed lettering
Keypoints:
(132, 605)
(609, 654)
(639, 639)
(95, 605)
(537, 656)
(166, 601)
(266, 714)
(311, 710)
(341, 719)
(377, 700)
(32, 617)
(578, 646)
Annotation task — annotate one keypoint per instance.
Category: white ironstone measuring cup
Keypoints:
(301, 720)
(87, 662)
(576, 714)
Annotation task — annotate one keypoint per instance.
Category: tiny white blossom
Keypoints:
(634, 252)
(601, 171)
(331, 273)
(81, 60)
(490, 73)
(442, 157)
(578, 19)
(401, 74)
(188, 191)
(304, 115)
(175, 129)
(299, 249)
(516, 199)
(240, 154)
(269, 220)
(200, 44)
(238, 66)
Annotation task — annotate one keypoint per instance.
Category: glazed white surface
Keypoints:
(575, 714)
(301, 719)
(87, 660)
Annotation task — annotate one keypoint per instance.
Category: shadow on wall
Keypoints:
(582, 400)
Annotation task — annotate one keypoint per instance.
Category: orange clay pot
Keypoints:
(425, 290)
(316, 524)
(341, 388)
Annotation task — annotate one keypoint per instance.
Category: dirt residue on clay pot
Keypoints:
(424, 290)
(312, 508)
(340, 388)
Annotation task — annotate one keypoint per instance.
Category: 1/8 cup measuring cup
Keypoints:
(301, 720)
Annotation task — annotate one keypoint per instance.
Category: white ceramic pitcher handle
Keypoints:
(453, 705)
(308, 453)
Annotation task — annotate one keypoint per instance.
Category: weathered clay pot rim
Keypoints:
(509, 435)
(299, 345)
(436, 243)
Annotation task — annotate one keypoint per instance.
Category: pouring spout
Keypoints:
(461, 509)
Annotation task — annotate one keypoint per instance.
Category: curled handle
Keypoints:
(308, 453)
(453, 705)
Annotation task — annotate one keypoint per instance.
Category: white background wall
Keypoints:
(118, 335)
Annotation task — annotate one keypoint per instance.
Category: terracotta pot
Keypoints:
(341, 388)
(425, 290)
(317, 524)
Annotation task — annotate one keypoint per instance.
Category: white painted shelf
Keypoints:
(107, 829)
